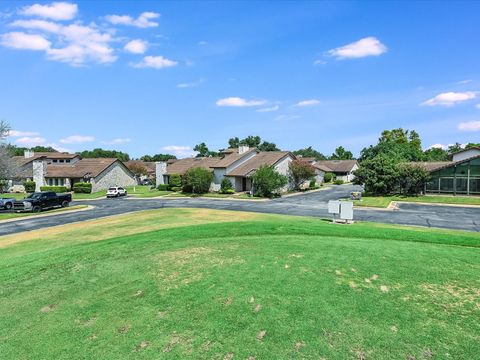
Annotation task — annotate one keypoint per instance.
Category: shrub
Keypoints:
(328, 177)
(162, 187)
(29, 186)
(226, 186)
(313, 184)
(82, 188)
(57, 189)
(3, 186)
(299, 172)
(197, 180)
(174, 181)
(267, 181)
(379, 175)
(338, 182)
(176, 188)
(412, 178)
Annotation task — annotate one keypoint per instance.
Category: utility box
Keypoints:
(346, 210)
(342, 209)
(334, 207)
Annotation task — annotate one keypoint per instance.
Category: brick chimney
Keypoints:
(39, 172)
(242, 149)
(28, 154)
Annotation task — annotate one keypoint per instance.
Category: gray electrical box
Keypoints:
(346, 210)
(334, 207)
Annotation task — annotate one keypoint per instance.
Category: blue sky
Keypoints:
(150, 77)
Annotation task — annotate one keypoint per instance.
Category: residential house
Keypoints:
(343, 169)
(61, 169)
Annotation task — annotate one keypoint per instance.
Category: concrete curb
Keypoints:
(439, 204)
(88, 207)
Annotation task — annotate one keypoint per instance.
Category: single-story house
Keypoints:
(343, 169)
(61, 169)
(461, 175)
(237, 165)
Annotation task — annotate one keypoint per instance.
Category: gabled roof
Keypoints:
(262, 158)
(231, 157)
(342, 166)
(181, 166)
(22, 160)
(91, 167)
(435, 166)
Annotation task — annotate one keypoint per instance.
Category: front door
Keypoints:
(244, 184)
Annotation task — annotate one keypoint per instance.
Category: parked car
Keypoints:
(116, 192)
(6, 203)
(42, 200)
(147, 182)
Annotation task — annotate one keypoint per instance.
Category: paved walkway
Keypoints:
(309, 204)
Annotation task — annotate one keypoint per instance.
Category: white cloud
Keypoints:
(438, 146)
(449, 99)
(309, 102)
(179, 150)
(55, 11)
(269, 109)
(23, 41)
(17, 133)
(77, 139)
(136, 46)
(191, 84)
(143, 21)
(369, 46)
(117, 141)
(156, 62)
(79, 44)
(239, 102)
(469, 126)
(467, 81)
(319, 62)
(31, 141)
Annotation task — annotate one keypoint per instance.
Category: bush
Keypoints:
(267, 182)
(176, 188)
(313, 184)
(197, 180)
(162, 187)
(226, 186)
(338, 182)
(57, 189)
(29, 186)
(82, 188)
(412, 178)
(299, 172)
(3, 186)
(329, 177)
(175, 181)
(379, 175)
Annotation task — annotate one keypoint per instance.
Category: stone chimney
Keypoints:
(39, 172)
(28, 154)
(242, 149)
(160, 171)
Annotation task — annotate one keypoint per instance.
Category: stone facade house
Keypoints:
(60, 169)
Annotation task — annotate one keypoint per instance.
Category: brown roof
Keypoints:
(342, 166)
(439, 165)
(22, 160)
(93, 167)
(322, 167)
(149, 165)
(262, 158)
(231, 157)
(181, 166)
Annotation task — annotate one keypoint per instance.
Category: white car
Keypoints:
(116, 192)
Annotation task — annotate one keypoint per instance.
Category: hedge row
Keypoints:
(82, 188)
(57, 189)
(29, 186)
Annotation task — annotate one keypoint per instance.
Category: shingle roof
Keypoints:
(434, 166)
(231, 157)
(262, 158)
(22, 160)
(337, 165)
(181, 166)
(93, 167)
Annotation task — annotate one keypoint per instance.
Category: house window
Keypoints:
(67, 161)
(55, 161)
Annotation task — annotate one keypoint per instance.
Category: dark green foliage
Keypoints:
(341, 154)
(197, 180)
(175, 188)
(339, 182)
(29, 186)
(253, 142)
(162, 187)
(203, 151)
(19, 151)
(328, 177)
(267, 182)
(299, 172)
(313, 183)
(101, 153)
(157, 157)
(379, 175)
(436, 154)
(82, 188)
(57, 189)
(412, 178)
(175, 181)
(225, 186)
(309, 152)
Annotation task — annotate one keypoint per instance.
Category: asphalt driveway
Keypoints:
(308, 204)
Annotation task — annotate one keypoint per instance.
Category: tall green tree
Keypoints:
(157, 157)
(102, 153)
(341, 154)
(436, 154)
(310, 152)
(253, 142)
(267, 182)
(19, 151)
(203, 151)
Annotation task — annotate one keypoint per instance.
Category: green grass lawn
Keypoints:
(13, 215)
(94, 195)
(384, 201)
(207, 284)
(144, 191)
(16, 196)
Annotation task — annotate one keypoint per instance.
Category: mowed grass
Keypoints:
(207, 284)
(384, 201)
(144, 191)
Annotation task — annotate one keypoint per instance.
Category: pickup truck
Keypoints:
(43, 200)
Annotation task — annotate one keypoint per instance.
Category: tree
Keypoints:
(226, 186)
(309, 153)
(175, 182)
(138, 168)
(299, 172)
(267, 146)
(101, 153)
(472, 145)
(412, 178)
(253, 142)
(19, 151)
(7, 166)
(435, 154)
(341, 154)
(379, 175)
(454, 148)
(203, 151)
(267, 182)
(157, 157)
(197, 180)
